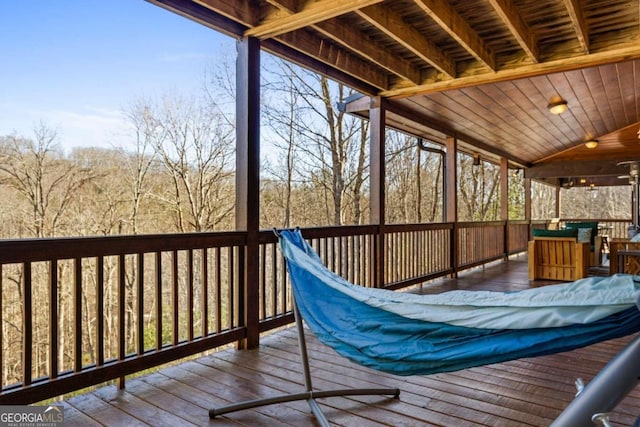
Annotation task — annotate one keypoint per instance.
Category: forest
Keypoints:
(177, 176)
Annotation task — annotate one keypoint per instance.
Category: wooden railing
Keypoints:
(77, 312)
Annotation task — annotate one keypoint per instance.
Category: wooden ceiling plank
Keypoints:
(629, 52)
(575, 132)
(391, 24)
(470, 118)
(516, 107)
(312, 13)
(597, 80)
(414, 115)
(628, 97)
(576, 15)
(585, 109)
(447, 17)
(569, 132)
(517, 26)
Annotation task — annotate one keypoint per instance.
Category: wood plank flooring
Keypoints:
(525, 392)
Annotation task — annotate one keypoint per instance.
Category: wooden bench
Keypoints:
(557, 258)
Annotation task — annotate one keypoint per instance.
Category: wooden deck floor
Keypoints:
(525, 392)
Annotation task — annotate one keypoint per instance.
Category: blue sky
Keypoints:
(75, 65)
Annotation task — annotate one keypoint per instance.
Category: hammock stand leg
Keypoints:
(309, 394)
(606, 390)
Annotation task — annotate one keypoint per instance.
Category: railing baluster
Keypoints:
(262, 267)
(27, 325)
(121, 314)
(77, 307)
(190, 325)
(218, 279)
(205, 293)
(100, 309)
(53, 318)
(231, 282)
(158, 287)
(274, 297)
(175, 296)
(140, 303)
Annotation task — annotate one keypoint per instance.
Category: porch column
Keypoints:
(451, 196)
(504, 189)
(248, 181)
(558, 202)
(527, 199)
(377, 119)
(504, 201)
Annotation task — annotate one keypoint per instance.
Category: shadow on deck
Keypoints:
(524, 392)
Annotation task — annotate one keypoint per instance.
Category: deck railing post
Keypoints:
(377, 119)
(248, 181)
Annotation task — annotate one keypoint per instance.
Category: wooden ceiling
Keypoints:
(480, 70)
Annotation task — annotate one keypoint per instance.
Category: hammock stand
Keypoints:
(310, 395)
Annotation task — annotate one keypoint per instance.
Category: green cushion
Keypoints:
(569, 232)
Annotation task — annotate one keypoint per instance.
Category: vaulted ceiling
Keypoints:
(480, 70)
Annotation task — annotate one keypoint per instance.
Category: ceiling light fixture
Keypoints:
(592, 143)
(557, 106)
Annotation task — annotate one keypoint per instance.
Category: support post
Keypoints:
(377, 117)
(527, 203)
(504, 202)
(451, 196)
(248, 181)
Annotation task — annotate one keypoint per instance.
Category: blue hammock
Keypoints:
(387, 330)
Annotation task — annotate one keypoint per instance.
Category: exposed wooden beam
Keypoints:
(369, 49)
(282, 50)
(519, 29)
(447, 17)
(291, 6)
(334, 56)
(578, 168)
(625, 53)
(360, 43)
(390, 23)
(240, 11)
(202, 15)
(312, 13)
(577, 18)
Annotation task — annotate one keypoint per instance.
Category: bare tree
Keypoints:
(332, 154)
(195, 147)
(477, 188)
(37, 170)
(140, 161)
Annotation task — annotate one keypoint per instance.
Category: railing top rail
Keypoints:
(32, 250)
